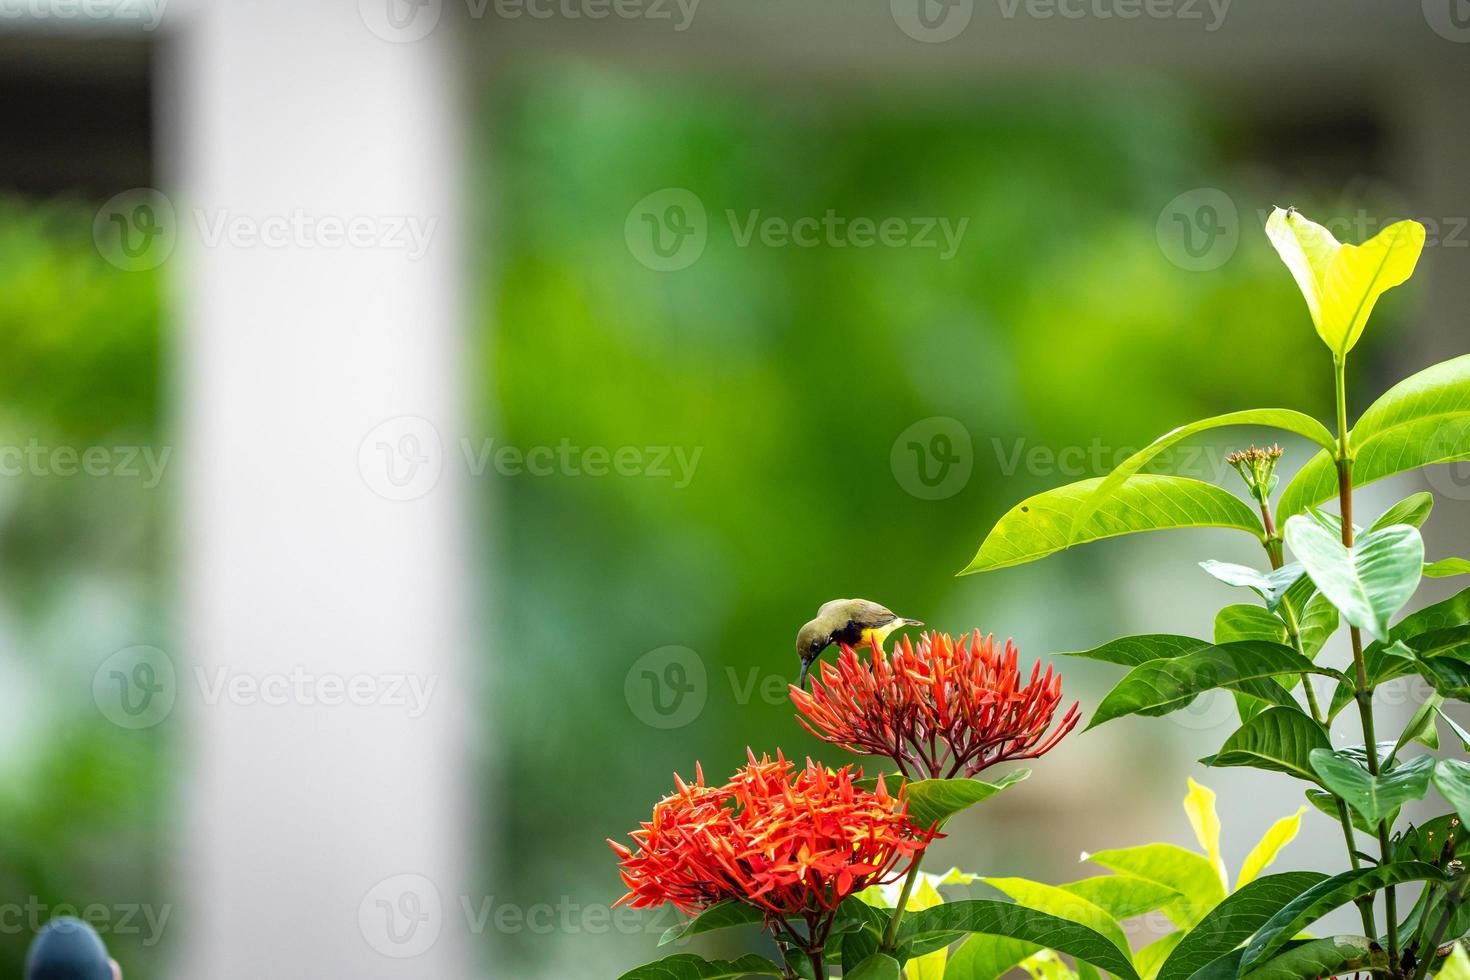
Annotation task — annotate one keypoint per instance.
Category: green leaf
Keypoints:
(1186, 872)
(1277, 836)
(722, 916)
(1106, 489)
(1325, 896)
(1375, 797)
(1382, 666)
(1413, 509)
(1326, 803)
(1341, 283)
(983, 957)
(1063, 904)
(1151, 957)
(1278, 740)
(1422, 420)
(1270, 586)
(1369, 582)
(1333, 956)
(687, 966)
(1317, 623)
(1447, 568)
(1421, 728)
(1247, 622)
(880, 966)
(1456, 966)
(1130, 651)
(1426, 841)
(1234, 920)
(1161, 686)
(1015, 922)
(934, 801)
(1049, 522)
(1122, 896)
(1460, 733)
(1452, 779)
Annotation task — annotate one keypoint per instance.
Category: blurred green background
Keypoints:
(790, 379)
(1060, 322)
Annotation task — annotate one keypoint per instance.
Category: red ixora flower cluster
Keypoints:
(790, 847)
(942, 709)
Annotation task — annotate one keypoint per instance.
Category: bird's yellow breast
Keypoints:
(880, 633)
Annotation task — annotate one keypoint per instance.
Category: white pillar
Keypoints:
(319, 267)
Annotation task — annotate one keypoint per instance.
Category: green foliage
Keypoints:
(1050, 521)
(1362, 578)
(687, 966)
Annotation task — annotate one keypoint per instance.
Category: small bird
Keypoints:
(850, 621)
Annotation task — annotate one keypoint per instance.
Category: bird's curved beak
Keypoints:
(806, 667)
(911, 622)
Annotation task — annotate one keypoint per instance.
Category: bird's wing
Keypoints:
(869, 613)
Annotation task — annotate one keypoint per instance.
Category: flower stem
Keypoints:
(890, 937)
(1364, 693)
(819, 969)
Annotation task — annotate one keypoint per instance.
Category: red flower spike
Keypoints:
(790, 844)
(942, 709)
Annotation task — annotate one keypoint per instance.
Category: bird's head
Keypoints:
(810, 642)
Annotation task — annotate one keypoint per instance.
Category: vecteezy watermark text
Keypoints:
(145, 463)
(117, 919)
(149, 13)
(1211, 13)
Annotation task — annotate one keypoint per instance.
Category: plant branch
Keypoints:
(1364, 693)
(890, 937)
(1453, 898)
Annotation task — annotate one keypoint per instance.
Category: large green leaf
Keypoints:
(983, 957)
(1383, 666)
(1161, 686)
(1188, 873)
(725, 915)
(1368, 582)
(1234, 920)
(1422, 420)
(1063, 904)
(1276, 418)
(1320, 958)
(1122, 895)
(1246, 622)
(1278, 739)
(1426, 841)
(1048, 522)
(934, 801)
(1341, 283)
(1413, 509)
(1452, 779)
(1130, 651)
(1016, 922)
(1443, 658)
(687, 966)
(1325, 896)
(1447, 568)
(879, 966)
(1375, 797)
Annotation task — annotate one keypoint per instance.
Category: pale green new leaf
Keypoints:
(1122, 896)
(1280, 833)
(1447, 568)
(1422, 420)
(983, 957)
(1199, 807)
(1341, 283)
(1452, 779)
(1062, 904)
(1413, 509)
(1151, 957)
(1190, 874)
(1271, 586)
(1456, 965)
(1048, 522)
(1369, 582)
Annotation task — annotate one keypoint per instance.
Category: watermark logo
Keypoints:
(1451, 480)
(402, 458)
(1450, 19)
(136, 687)
(1199, 230)
(401, 21)
(148, 13)
(402, 916)
(933, 458)
(667, 230)
(667, 688)
(136, 230)
(932, 21)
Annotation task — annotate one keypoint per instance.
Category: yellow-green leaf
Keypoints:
(1341, 283)
(1199, 806)
(1456, 965)
(1282, 832)
(1151, 957)
(1063, 905)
